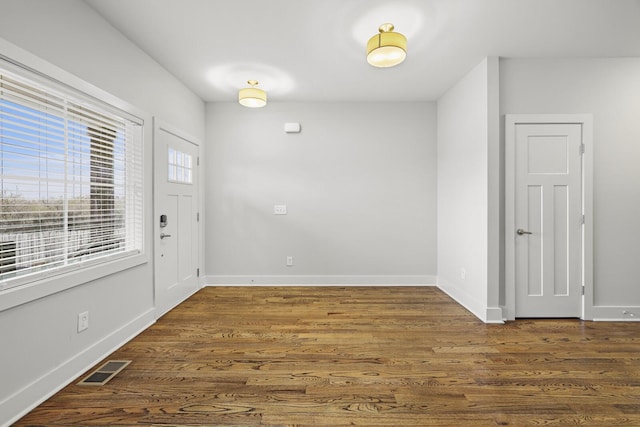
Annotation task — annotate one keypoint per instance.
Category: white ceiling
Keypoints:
(313, 50)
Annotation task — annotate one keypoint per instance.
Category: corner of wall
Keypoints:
(495, 184)
(475, 306)
(24, 400)
(469, 191)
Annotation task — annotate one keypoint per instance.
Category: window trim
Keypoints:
(13, 297)
(24, 63)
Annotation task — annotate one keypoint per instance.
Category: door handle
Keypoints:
(162, 235)
(520, 232)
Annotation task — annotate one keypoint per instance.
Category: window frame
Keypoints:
(22, 63)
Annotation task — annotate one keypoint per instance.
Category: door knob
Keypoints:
(162, 235)
(520, 232)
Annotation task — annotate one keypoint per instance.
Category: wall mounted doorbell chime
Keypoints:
(292, 128)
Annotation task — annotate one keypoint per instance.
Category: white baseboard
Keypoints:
(21, 402)
(615, 314)
(477, 308)
(494, 315)
(318, 280)
(159, 312)
(486, 314)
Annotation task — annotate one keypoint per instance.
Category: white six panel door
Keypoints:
(548, 218)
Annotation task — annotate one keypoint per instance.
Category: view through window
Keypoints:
(71, 181)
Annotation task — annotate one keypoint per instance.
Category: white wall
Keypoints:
(610, 90)
(359, 183)
(41, 349)
(71, 35)
(468, 199)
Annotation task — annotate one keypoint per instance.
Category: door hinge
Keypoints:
(583, 290)
(198, 161)
(582, 219)
(198, 217)
(581, 148)
(197, 272)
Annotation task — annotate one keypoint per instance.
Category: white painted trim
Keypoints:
(587, 207)
(475, 306)
(494, 315)
(602, 313)
(26, 399)
(316, 280)
(159, 314)
(494, 209)
(159, 124)
(511, 120)
(509, 216)
(23, 294)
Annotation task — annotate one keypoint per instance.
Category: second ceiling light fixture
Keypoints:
(385, 49)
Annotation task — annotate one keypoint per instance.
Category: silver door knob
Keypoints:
(162, 235)
(520, 232)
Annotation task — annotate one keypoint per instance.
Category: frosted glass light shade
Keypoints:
(252, 97)
(387, 48)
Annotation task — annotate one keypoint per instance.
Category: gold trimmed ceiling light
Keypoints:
(252, 97)
(387, 48)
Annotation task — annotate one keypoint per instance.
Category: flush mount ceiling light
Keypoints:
(252, 97)
(387, 48)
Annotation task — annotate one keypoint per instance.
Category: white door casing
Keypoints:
(548, 190)
(176, 197)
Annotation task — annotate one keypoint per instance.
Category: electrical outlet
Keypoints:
(83, 321)
(280, 209)
(289, 261)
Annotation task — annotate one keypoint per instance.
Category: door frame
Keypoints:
(158, 126)
(586, 122)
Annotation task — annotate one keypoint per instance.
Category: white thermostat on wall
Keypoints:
(292, 127)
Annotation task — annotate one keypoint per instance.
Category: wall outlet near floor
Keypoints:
(289, 261)
(463, 273)
(83, 321)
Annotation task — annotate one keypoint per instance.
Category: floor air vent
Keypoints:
(103, 374)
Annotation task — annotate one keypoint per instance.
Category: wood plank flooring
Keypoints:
(368, 356)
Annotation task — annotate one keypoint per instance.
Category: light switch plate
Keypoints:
(83, 321)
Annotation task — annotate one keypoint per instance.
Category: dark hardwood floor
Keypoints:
(369, 356)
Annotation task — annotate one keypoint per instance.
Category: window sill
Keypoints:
(24, 294)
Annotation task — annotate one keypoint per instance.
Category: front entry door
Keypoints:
(548, 219)
(176, 218)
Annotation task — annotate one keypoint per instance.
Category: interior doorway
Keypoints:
(548, 217)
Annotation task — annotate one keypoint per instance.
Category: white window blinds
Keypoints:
(71, 181)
